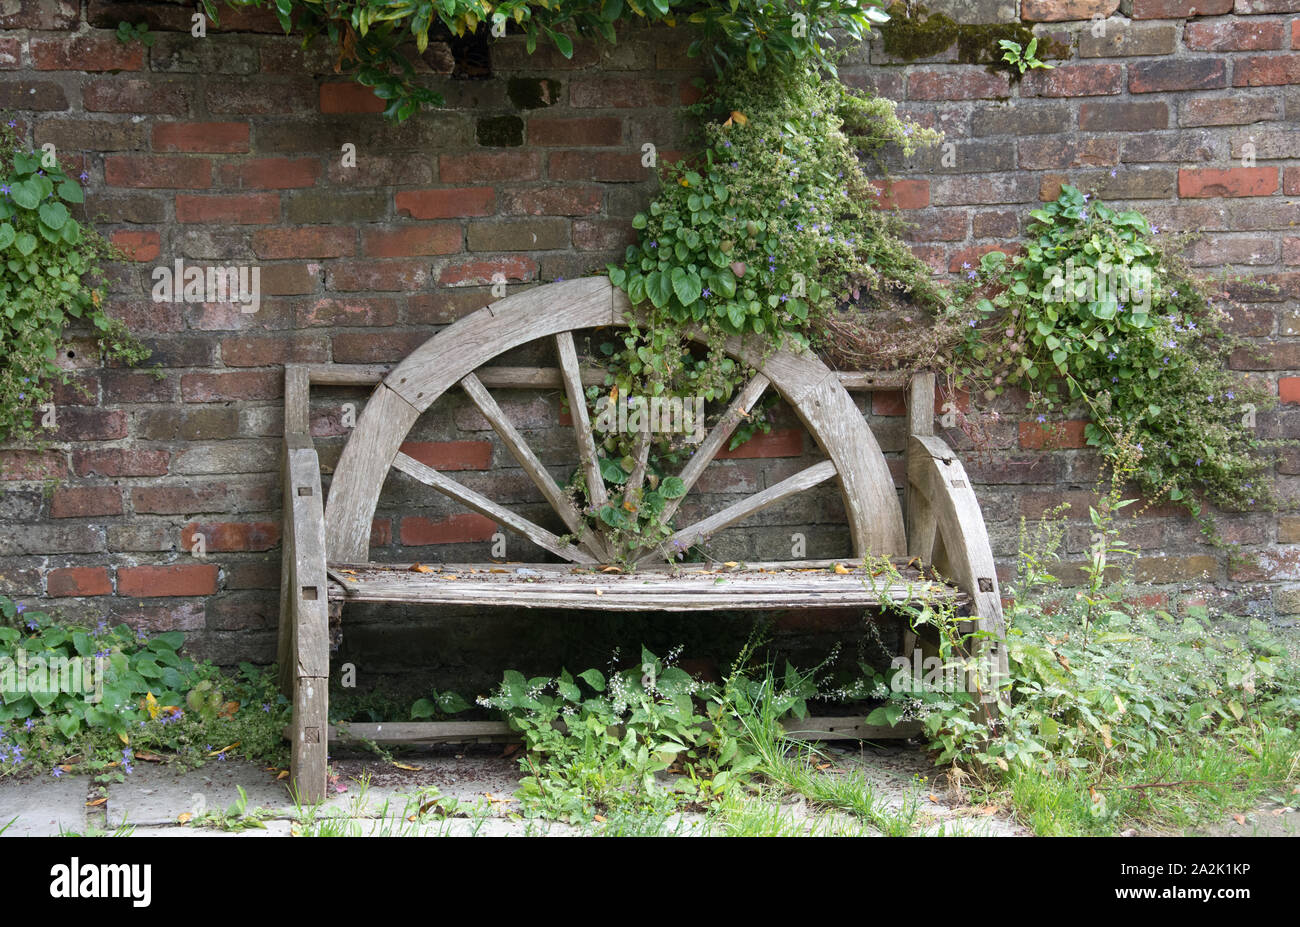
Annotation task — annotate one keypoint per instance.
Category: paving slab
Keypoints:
(159, 794)
(43, 807)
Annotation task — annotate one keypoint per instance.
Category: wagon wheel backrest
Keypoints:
(555, 311)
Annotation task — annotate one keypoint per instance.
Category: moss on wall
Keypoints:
(923, 35)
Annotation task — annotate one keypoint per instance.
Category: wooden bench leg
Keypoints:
(310, 737)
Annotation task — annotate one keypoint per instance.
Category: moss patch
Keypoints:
(924, 35)
(532, 92)
(500, 131)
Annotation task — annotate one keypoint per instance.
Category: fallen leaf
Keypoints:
(224, 749)
(934, 798)
(96, 802)
(228, 710)
(842, 569)
(184, 817)
(599, 818)
(600, 592)
(610, 568)
(731, 564)
(1239, 818)
(421, 568)
(148, 757)
(450, 576)
(408, 768)
(283, 774)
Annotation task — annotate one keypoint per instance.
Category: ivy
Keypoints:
(373, 37)
(1096, 313)
(46, 259)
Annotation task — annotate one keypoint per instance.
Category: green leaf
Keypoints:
(7, 235)
(26, 194)
(26, 243)
(423, 708)
(687, 286)
(54, 215)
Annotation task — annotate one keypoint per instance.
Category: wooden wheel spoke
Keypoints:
(716, 438)
(739, 511)
(641, 458)
(522, 453)
(572, 377)
(486, 507)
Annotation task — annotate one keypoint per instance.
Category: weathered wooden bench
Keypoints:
(326, 545)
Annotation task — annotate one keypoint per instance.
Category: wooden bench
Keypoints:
(326, 544)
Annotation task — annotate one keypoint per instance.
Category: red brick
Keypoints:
(966, 258)
(412, 241)
(232, 536)
(603, 234)
(1265, 70)
(207, 137)
(1288, 390)
(352, 310)
(272, 350)
(349, 97)
(780, 442)
(1055, 11)
(245, 209)
(1295, 33)
(552, 201)
(1177, 74)
(381, 532)
(90, 424)
(182, 579)
(450, 455)
(903, 194)
(601, 166)
(888, 402)
(1034, 436)
(1235, 35)
(1080, 80)
(1179, 9)
(1291, 181)
(138, 246)
(86, 501)
(1236, 181)
(32, 465)
(490, 167)
(11, 53)
(136, 97)
(40, 14)
(957, 84)
(480, 273)
(321, 241)
(575, 133)
(219, 387)
(445, 204)
(418, 531)
(178, 500)
(115, 462)
(270, 173)
(86, 53)
(78, 581)
(1065, 153)
(375, 347)
(158, 172)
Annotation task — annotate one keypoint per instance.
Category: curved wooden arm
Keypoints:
(945, 527)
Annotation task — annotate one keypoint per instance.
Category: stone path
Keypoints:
(372, 798)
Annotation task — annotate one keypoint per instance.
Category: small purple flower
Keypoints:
(972, 275)
(707, 293)
(785, 298)
(83, 176)
(29, 724)
(58, 773)
(12, 124)
(965, 265)
(1041, 418)
(1154, 229)
(4, 188)
(20, 608)
(1084, 215)
(266, 707)
(32, 625)
(1112, 172)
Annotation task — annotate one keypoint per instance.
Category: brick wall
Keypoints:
(229, 150)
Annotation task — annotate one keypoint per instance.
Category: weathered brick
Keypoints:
(1212, 251)
(1177, 74)
(518, 235)
(444, 306)
(1236, 181)
(243, 209)
(412, 241)
(312, 207)
(480, 273)
(11, 53)
(1080, 80)
(445, 204)
(349, 310)
(85, 53)
(982, 191)
(450, 455)
(32, 465)
(86, 501)
(203, 137)
(179, 500)
(902, 194)
(257, 96)
(785, 442)
(375, 347)
(1265, 70)
(1052, 11)
(357, 276)
(114, 95)
(956, 84)
(40, 14)
(147, 582)
(1228, 111)
(602, 234)
(575, 132)
(620, 91)
(90, 424)
(418, 531)
(1123, 117)
(90, 134)
(32, 95)
(141, 247)
(270, 173)
(1022, 118)
(490, 167)
(1122, 38)
(569, 200)
(229, 536)
(116, 462)
(1235, 35)
(78, 581)
(314, 242)
(46, 539)
(349, 97)
(158, 171)
(602, 166)
(219, 387)
(1060, 153)
(1178, 9)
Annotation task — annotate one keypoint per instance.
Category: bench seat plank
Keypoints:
(689, 589)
